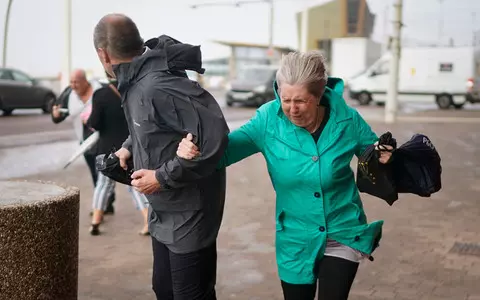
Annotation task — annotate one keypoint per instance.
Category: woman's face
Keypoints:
(299, 105)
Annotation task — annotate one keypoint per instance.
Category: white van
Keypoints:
(448, 76)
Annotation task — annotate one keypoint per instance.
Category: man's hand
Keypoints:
(385, 153)
(56, 111)
(145, 182)
(124, 155)
(187, 149)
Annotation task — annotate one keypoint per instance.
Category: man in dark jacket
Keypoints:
(186, 196)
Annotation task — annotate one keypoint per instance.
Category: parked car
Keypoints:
(18, 90)
(254, 86)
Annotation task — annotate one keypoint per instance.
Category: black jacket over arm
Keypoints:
(108, 119)
(62, 100)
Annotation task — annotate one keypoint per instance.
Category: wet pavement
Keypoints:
(415, 259)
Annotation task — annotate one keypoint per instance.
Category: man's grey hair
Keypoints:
(119, 36)
(304, 68)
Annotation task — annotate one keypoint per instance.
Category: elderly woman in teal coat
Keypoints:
(308, 136)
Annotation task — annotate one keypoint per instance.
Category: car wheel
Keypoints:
(364, 98)
(458, 106)
(7, 112)
(48, 103)
(444, 101)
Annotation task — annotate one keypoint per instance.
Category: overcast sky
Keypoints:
(36, 37)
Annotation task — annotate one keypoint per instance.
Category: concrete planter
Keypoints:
(39, 225)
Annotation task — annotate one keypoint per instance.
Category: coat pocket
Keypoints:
(279, 220)
(291, 248)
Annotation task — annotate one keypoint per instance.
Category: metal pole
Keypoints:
(5, 33)
(270, 30)
(474, 17)
(67, 55)
(392, 94)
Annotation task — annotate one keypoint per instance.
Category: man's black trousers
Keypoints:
(189, 276)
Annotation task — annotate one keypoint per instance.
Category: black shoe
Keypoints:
(94, 230)
(110, 210)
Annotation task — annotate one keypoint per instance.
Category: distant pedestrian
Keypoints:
(73, 103)
(108, 119)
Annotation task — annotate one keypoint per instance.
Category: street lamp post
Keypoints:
(67, 55)
(5, 33)
(270, 32)
(67, 64)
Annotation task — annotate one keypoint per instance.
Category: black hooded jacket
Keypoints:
(162, 105)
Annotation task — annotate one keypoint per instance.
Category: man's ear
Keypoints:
(104, 57)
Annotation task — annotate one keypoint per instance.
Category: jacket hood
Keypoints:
(161, 54)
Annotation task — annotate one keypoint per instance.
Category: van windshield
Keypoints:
(256, 75)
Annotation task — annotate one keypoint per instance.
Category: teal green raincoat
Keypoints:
(316, 194)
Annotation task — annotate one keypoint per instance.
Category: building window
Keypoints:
(353, 7)
(325, 46)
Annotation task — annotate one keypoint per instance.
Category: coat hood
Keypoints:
(161, 54)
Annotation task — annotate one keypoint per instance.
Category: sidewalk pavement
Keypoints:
(413, 261)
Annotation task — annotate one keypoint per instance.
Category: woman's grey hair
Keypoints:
(304, 68)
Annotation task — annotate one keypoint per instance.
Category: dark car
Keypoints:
(18, 90)
(254, 86)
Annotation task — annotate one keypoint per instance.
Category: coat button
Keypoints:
(357, 238)
(322, 229)
(317, 195)
(314, 158)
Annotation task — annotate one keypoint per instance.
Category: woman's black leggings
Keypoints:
(335, 278)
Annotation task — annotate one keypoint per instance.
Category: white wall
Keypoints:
(374, 52)
(352, 55)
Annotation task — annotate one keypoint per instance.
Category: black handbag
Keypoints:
(109, 165)
(375, 178)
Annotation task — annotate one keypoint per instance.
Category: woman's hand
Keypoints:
(187, 149)
(385, 153)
